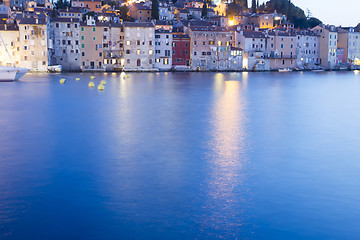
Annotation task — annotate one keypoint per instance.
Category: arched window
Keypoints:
(138, 63)
(128, 61)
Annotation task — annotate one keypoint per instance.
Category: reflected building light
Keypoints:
(227, 157)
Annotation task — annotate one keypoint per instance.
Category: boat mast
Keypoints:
(2, 40)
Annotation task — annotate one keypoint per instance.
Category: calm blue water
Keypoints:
(181, 156)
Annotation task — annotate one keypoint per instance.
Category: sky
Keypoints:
(330, 11)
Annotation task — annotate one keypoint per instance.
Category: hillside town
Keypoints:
(186, 35)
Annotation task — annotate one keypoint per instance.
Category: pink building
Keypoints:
(282, 49)
(340, 56)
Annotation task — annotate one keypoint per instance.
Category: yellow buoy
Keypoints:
(91, 84)
(77, 79)
(103, 82)
(92, 77)
(101, 87)
(62, 81)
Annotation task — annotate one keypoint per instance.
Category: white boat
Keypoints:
(11, 73)
(7, 74)
(285, 70)
(55, 69)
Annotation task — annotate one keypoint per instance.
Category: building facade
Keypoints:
(181, 51)
(163, 49)
(307, 49)
(139, 46)
(328, 45)
(65, 36)
(34, 43)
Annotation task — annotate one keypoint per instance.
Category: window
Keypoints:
(186, 52)
(82, 37)
(128, 61)
(82, 45)
(150, 43)
(82, 29)
(57, 25)
(138, 42)
(25, 48)
(128, 43)
(282, 45)
(76, 42)
(100, 54)
(138, 52)
(83, 54)
(69, 42)
(151, 52)
(127, 51)
(94, 29)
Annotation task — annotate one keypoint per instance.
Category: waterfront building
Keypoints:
(140, 12)
(113, 45)
(181, 51)
(139, 46)
(282, 49)
(210, 48)
(340, 57)
(10, 35)
(349, 40)
(254, 46)
(65, 36)
(307, 49)
(33, 34)
(328, 45)
(163, 49)
(91, 43)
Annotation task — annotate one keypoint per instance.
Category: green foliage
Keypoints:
(124, 12)
(204, 11)
(313, 22)
(293, 13)
(62, 4)
(155, 10)
(253, 6)
(236, 7)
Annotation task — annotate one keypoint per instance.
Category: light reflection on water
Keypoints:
(227, 159)
(180, 156)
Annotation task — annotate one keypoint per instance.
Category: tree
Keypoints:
(253, 6)
(155, 10)
(313, 22)
(204, 12)
(124, 12)
(62, 4)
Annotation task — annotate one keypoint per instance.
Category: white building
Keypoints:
(163, 49)
(349, 39)
(139, 46)
(11, 37)
(210, 49)
(65, 34)
(307, 49)
(113, 45)
(34, 43)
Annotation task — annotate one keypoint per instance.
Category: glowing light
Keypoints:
(231, 22)
(357, 61)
